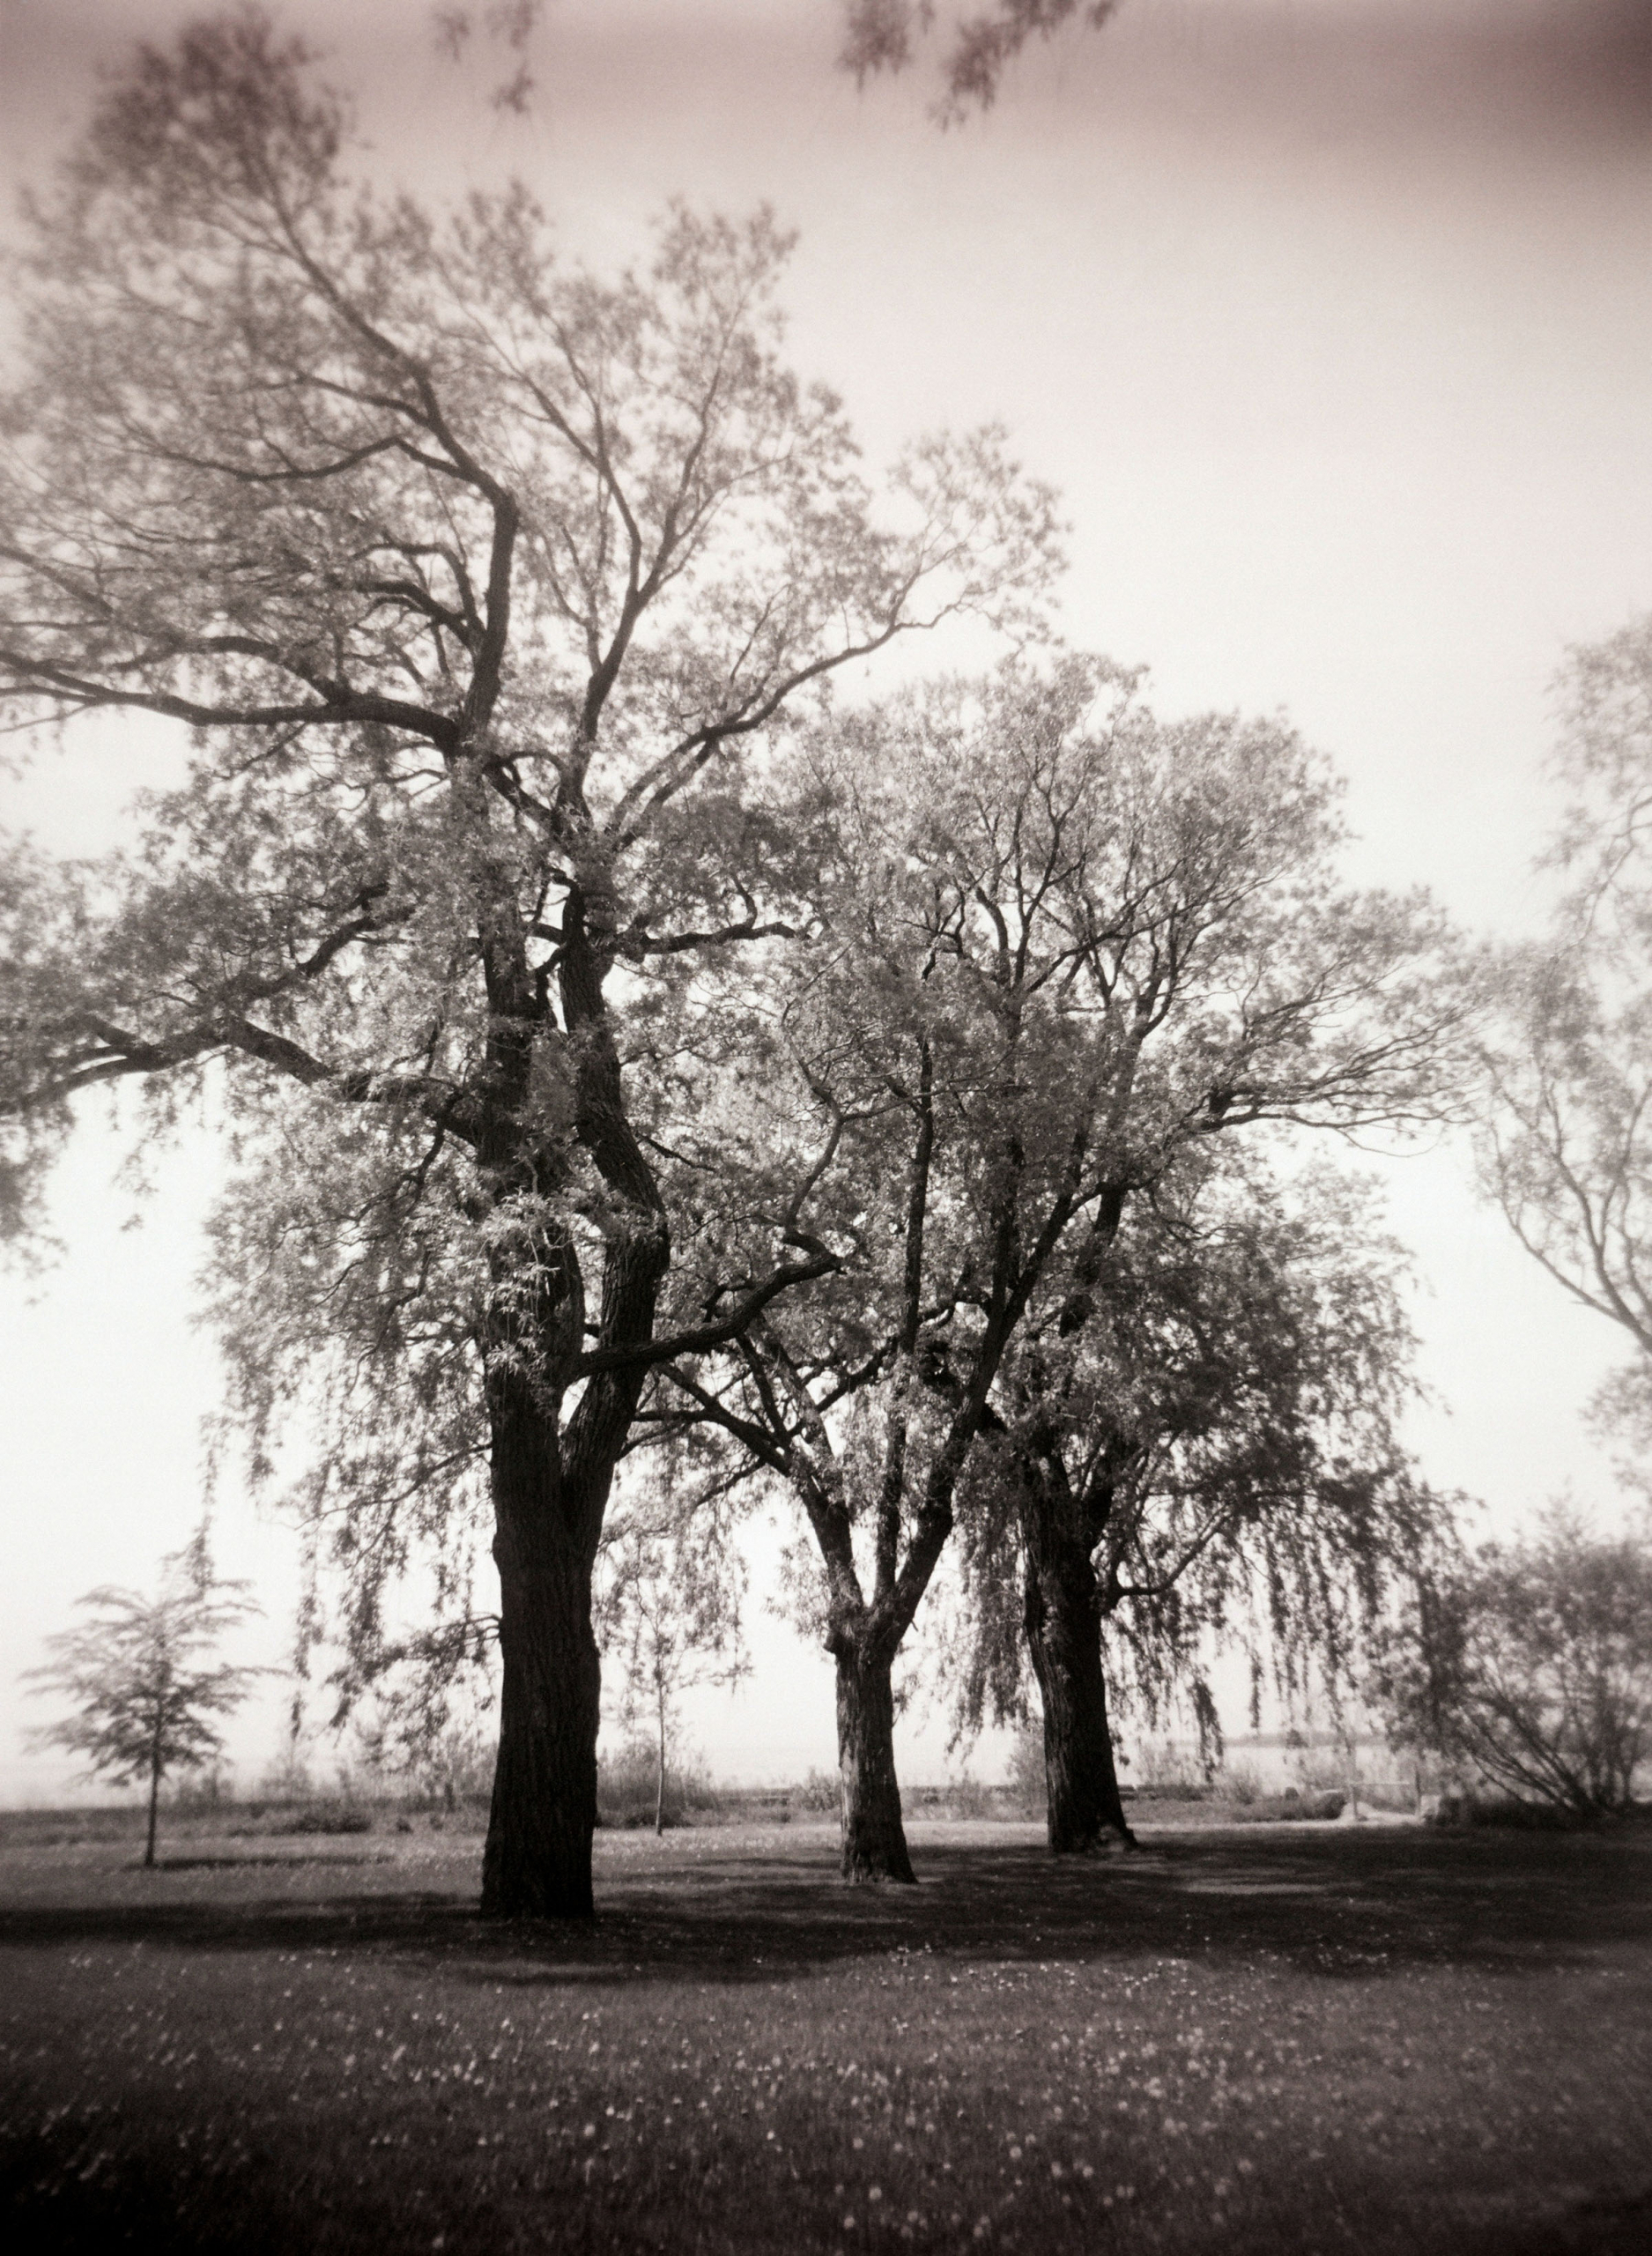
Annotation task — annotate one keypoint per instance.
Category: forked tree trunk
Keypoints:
(537, 1861)
(1062, 1617)
(874, 1840)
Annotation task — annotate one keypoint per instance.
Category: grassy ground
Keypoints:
(1297, 2038)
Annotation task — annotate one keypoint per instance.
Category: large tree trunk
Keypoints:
(537, 1862)
(874, 1841)
(1063, 1616)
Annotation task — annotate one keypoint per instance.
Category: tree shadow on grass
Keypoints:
(1355, 1905)
(239, 1864)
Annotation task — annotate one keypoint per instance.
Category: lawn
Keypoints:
(1290, 2037)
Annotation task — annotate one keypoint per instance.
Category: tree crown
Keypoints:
(144, 1700)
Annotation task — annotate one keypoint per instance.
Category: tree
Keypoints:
(882, 36)
(668, 1608)
(1058, 943)
(470, 576)
(144, 1702)
(1530, 1664)
(1564, 1139)
(1196, 1444)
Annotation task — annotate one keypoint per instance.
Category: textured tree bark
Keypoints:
(874, 1839)
(1062, 1617)
(537, 1861)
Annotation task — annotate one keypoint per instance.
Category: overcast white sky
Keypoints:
(1331, 320)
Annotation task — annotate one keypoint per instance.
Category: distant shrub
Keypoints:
(454, 1768)
(1463, 1808)
(1240, 1783)
(1029, 1781)
(289, 1778)
(820, 1793)
(207, 1791)
(1271, 1808)
(967, 1798)
(328, 1817)
(1387, 1795)
(1167, 1766)
(627, 1787)
(1529, 1666)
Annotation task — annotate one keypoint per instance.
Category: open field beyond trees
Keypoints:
(1312, 2036)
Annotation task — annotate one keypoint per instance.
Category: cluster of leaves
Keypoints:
(883, 35)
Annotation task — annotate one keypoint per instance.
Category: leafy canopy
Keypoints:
(1214, 1402)
(144, 1699)
(470, 574)
(1056, 943)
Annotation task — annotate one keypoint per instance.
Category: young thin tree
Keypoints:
(470, 576)
(668, 1610)
(144, 1700)
(1056, 943)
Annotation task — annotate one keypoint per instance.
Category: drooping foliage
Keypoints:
(1059, 946)
(1217, 1400)
(671, 1580)
(885, 36)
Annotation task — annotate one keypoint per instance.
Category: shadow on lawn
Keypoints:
(1356, 1905)
(240, 1864)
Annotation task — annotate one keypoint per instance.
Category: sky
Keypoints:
(1330, 320)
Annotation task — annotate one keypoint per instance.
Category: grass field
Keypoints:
(1279, 2038)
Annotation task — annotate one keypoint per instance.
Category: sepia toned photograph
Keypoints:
(826, 1127)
